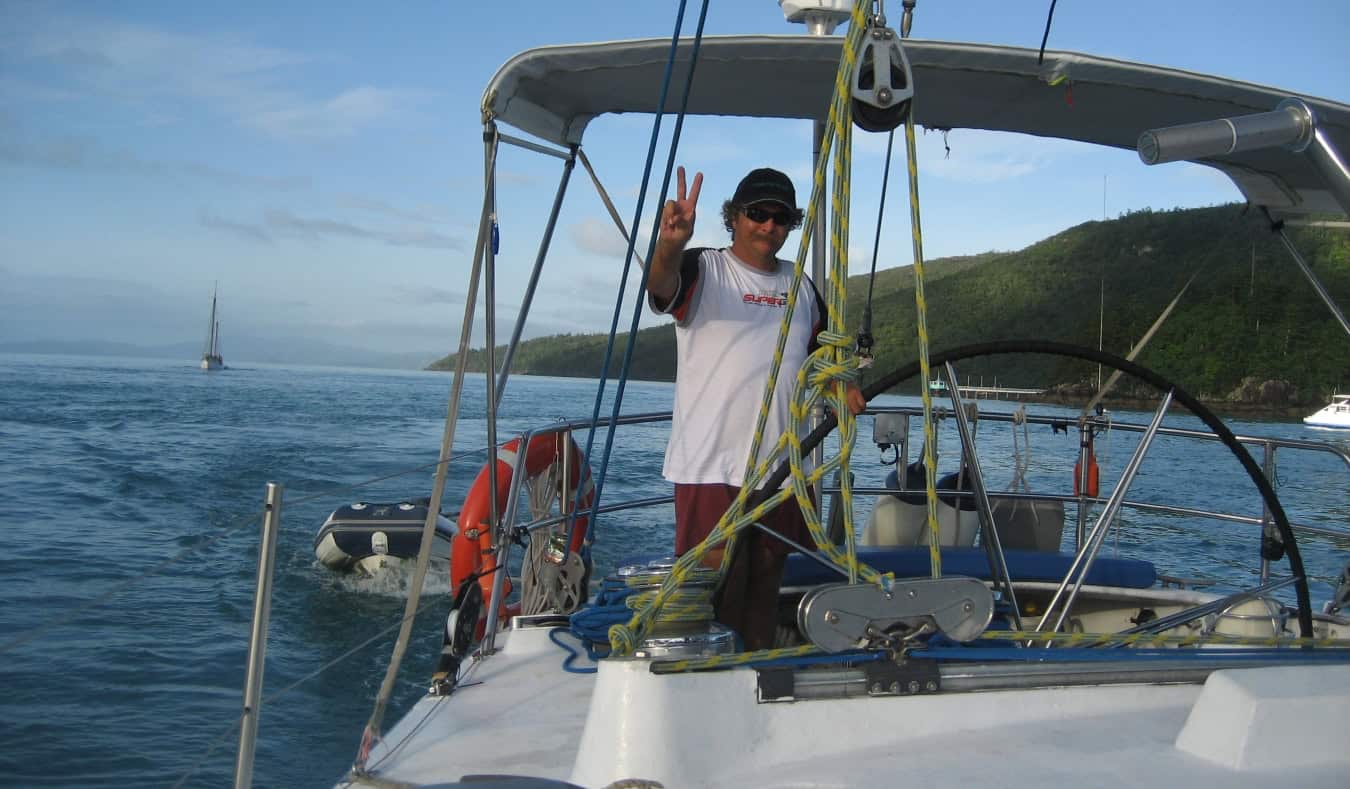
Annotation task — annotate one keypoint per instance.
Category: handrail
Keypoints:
(1269, 443)
(1169, 509)
(942, 412)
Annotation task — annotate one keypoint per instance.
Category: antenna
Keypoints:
(821, 17)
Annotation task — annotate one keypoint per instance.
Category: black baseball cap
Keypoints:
(765, 184)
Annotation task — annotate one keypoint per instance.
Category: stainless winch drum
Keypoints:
(677, 639)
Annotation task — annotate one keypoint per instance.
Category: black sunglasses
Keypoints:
(787, 218)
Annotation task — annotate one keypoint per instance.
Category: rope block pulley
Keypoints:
(882, 86)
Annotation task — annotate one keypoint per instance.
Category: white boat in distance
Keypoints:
(211, 358)
(1335, 414)
(925, 664)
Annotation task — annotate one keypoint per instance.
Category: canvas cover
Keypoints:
(554, 92)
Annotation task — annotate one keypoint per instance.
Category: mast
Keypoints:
(211, 327)
(211, 354)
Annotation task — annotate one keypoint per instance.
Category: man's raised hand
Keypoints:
(677, 216)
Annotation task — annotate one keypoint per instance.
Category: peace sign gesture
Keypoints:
(677, 216)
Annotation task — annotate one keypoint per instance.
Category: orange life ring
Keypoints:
(1093, 475)
(471, 549)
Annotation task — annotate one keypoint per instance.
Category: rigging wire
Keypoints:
(482, 253)
(865, 339)
(1040, 58)
(1139, 347)
(628, 262)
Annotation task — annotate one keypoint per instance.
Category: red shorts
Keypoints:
(698, 508)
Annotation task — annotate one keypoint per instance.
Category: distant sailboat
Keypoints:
(211, 358)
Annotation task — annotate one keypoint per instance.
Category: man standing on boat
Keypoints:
(728, 306)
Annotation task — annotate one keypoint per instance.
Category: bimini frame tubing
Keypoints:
(569, 158)
(495, 384)
(1293, 125)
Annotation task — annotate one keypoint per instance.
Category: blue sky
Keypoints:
(323, 161)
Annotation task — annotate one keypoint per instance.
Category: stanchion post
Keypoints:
(257, 642)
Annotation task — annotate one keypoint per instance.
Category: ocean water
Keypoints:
(131, 490)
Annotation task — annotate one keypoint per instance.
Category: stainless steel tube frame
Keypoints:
(1291, 124)
(993, 547)
(257, 640)
(1082, 562)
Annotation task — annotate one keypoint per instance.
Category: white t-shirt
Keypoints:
(727, 317)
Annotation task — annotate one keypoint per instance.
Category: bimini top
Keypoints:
(554, 92)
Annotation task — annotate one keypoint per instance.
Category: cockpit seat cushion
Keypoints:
(913, 562)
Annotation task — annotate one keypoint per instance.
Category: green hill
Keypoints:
(1249, 313)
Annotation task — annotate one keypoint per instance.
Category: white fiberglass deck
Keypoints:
(518, 713)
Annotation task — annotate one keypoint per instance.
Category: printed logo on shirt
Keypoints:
(765, 299)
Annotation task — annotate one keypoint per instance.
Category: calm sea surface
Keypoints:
(110, 468)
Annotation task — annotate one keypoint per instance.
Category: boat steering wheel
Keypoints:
(1162, 384)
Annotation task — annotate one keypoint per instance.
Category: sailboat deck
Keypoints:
(518, 714)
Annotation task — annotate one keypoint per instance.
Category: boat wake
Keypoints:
(393, 581)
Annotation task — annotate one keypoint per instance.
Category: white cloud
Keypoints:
(985, 157)
(341, 116)
(601, 237)
(73, 153)
(515, 178)
(280, 224)
(146, 68)
(429, 296)
(1206, 174)
(427, 214)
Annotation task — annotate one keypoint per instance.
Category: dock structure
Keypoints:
(982, 392)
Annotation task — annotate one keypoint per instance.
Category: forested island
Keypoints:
(1250, 329)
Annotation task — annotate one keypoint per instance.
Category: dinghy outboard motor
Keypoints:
(367, 538)
(883, 84)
